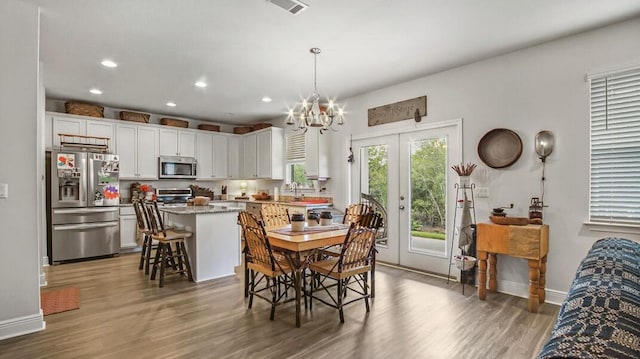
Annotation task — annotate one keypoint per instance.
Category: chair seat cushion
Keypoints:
(280, 270)
(172, 235)
(329, 267)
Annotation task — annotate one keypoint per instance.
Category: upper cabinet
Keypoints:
(316, 155)
(257, 155)
(137, 146)
(213, 156)
(235, 157)
(264, 154)
(249, 150)
(177, 143)
(79, 126)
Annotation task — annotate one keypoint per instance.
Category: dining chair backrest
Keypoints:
(356, 249)
(371, 220)
(354, 211)
(246, 219)
(142, 218)
(155, 218)
(274, 215)
(256, 241)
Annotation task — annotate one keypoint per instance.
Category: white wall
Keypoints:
(19, 259)
(539, 88)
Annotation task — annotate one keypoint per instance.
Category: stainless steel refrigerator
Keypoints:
(82, 205)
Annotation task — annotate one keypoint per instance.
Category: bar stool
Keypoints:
(165, 256)
(147, 242)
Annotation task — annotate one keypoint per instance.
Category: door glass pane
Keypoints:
(428, 163)
(374, 179)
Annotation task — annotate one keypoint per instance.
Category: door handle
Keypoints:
(402, 198)
(401, 207)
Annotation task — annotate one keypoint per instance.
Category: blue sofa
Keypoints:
(600, 318)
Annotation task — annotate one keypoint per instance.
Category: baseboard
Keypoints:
(522, 290)
(45, 261)
(20, 326)
(43, 280)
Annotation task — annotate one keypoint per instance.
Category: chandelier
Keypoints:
(310, 113)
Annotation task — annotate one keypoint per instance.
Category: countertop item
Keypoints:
(500, 148)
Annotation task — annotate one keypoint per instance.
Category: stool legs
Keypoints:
(165, 256)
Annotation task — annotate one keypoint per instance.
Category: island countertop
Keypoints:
(199, 209)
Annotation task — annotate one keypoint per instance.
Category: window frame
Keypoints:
(611, 104)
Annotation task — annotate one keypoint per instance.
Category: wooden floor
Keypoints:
(125, 315)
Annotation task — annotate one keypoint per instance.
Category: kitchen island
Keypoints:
(214, 248)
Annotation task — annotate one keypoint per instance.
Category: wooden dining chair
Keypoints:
(246, 219)
(354, 211)
(274, 215)
(166, 257)
(265, 265)
(348, 272)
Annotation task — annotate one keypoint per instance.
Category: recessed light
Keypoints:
(171, 104)
(108, 63)
(266, 99)
(95, 91)
(201, 84)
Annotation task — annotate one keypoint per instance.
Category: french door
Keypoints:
(409, 175)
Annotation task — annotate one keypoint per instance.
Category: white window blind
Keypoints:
(615, 148)
(296, 147)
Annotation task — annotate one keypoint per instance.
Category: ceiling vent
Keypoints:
(292, 6)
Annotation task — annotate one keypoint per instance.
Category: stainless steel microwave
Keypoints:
(177, 167)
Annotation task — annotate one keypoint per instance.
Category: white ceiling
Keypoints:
(247, 49)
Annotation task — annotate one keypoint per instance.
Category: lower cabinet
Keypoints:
(128, 228)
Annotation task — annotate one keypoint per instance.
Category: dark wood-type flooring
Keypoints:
(125, 315)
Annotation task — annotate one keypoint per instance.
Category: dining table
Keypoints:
(300, 248)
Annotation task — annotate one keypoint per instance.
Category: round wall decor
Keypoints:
(500, 148)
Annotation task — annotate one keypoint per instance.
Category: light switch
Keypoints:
(4, 190)
(482, 192)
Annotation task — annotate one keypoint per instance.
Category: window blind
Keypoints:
(296, 148)
(614, 195)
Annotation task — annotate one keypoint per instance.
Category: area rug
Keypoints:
(60, 300)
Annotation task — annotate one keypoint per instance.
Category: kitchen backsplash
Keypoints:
(233, 187)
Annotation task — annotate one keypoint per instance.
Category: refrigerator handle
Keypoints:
(72, 227)
(85, 210)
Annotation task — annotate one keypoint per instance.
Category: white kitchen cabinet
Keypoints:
(128, 224)
(316, 155)
(138, 150)
(212, 156)
(67, 125)
(79, 126)
(177, 143)
(235, 157)
(264, 154)
(101, 129)
(249, 150)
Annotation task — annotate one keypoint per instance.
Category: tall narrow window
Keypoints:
(296, 154)
(614, 195)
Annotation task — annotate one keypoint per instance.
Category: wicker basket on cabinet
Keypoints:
(84, 109)
(174, 122)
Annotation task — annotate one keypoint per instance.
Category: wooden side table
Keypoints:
(530, 242)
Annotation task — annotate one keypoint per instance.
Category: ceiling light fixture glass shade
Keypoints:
(310, 113)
